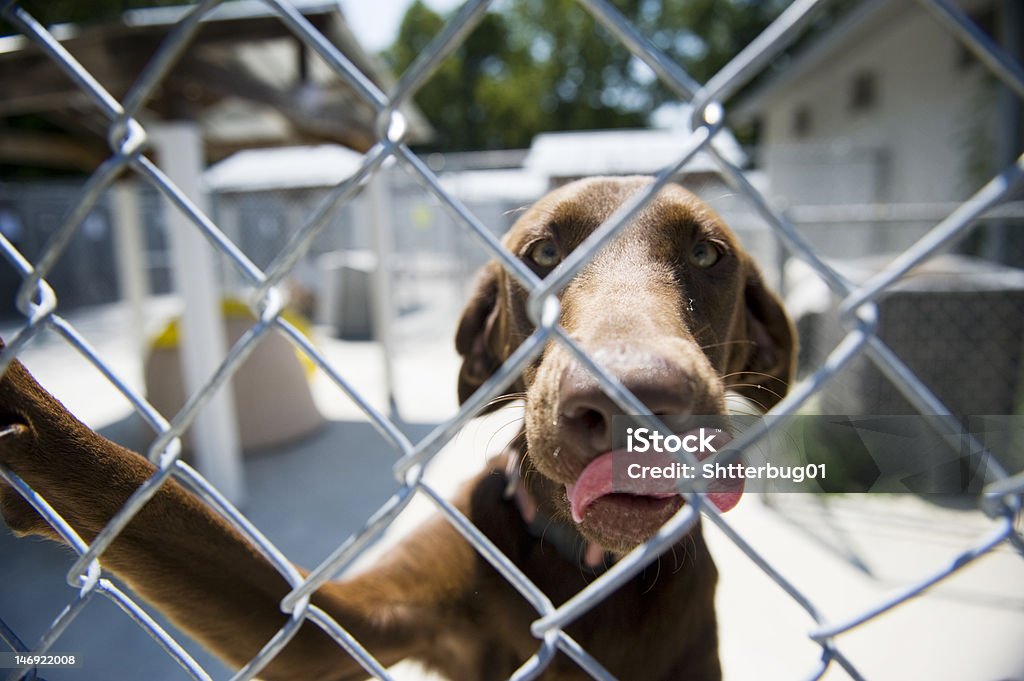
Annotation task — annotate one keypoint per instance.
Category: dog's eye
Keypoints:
(705, 254)
(544, 253)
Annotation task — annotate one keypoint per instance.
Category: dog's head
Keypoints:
(673, 308)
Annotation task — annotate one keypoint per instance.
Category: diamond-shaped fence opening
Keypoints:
(263, 264)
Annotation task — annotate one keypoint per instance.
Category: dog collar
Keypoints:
(565, 539)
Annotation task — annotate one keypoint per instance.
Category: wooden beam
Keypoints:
(336, 115)
(48, 150)
(114, 55)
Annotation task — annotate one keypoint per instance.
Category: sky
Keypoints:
(375, 22)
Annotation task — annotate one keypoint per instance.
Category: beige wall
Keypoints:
(911, 146)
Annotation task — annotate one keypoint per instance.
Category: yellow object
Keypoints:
(232, 308)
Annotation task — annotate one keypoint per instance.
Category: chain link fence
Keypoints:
(857, 312)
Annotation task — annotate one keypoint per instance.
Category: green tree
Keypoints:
(538, 65)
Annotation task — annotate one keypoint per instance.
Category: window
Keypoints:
(802, 123)
(863, 91)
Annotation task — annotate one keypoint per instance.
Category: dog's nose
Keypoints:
(586, 411)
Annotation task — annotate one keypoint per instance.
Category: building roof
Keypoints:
(283, 168)
(244, 77)
(328, 164)
(621, 152)
(504, 184)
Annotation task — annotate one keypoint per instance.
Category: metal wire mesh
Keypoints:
(127, 138)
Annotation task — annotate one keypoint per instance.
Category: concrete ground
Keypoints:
(844, 553)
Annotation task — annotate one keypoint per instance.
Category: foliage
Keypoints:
(48, 12)
(537, 65)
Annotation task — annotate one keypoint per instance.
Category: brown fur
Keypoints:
(675, 334)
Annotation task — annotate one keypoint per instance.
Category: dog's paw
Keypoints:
(19, 515)
(15, 447)
(30, 433)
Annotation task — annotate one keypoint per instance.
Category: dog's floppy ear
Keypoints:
(474, 339)
(767, 368)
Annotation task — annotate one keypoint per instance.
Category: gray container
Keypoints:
(346, 294)
(957, 323)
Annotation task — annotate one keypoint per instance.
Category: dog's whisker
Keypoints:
(500, 399)
(522, 463)
(513, 211)
(580, 547)
(702, 330)
(741, 341)
(747, 372)
(757, 386)
(708, 328)
(740, 404)
(657, 573)
(508, 423)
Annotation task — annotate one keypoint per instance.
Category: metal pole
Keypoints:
(377, 196)
(130, 249)
(202, 341)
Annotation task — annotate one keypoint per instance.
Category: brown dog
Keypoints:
(673, 308)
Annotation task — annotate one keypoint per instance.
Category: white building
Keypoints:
(567, 156)
(870, 134)
(885, 107)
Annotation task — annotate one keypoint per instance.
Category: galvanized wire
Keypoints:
(127, 138)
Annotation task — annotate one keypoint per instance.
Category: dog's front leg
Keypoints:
(191, 564)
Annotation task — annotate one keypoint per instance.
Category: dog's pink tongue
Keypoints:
(596, 481)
